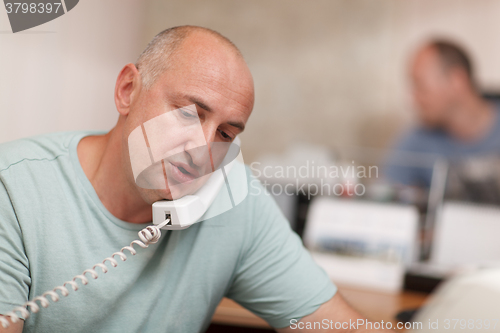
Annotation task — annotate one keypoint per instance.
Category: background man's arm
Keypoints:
(335, 310)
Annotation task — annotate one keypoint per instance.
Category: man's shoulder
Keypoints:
(421, 139)
(496, 127)
(251, 205)
(259, 207)
(236, 197)
(40, 147)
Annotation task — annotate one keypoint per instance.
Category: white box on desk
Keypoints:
(363, 244)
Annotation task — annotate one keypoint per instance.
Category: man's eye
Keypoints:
(225, 136)
(187, 114)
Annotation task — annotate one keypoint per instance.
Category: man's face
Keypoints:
(204, 97)
(431, 88)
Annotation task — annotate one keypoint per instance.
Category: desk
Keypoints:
(374, 305)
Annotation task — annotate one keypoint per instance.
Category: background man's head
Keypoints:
(183, 66)
(442, 77)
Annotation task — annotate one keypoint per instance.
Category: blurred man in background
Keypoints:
(456, 122)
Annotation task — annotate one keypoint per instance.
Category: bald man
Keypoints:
(455, 121)
(67, 200)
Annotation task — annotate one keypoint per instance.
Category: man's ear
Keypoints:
(127, 88)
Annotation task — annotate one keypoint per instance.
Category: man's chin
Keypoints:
(164, 195)
(151, 196)
(173, 192)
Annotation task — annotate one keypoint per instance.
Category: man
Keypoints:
(69, 199)
(456, 122)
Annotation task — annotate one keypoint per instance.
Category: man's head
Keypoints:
(442, 76)
(183, 66)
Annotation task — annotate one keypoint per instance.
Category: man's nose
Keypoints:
(199, 147)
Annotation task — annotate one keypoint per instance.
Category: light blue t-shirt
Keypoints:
(53, 227)
(430, 144)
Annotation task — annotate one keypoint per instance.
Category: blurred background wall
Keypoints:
(326, 72)
(60, 76)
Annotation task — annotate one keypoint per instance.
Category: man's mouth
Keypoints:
(183, 173)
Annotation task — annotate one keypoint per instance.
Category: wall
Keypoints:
(60, 76)
(334, 72)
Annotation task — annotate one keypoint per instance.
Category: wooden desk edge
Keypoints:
(387, 306)
(231, 313)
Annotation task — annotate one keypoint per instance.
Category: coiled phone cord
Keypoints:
(149, 235)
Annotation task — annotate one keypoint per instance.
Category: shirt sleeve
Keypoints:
(14, 268)
(276, 278)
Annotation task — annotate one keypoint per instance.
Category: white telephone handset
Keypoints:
(185, 211)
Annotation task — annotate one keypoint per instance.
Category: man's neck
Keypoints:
(102, 161)
(471, 120)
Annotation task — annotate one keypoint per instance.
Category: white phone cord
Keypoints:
(149, 235)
